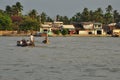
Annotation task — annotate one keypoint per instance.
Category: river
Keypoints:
(64, 58)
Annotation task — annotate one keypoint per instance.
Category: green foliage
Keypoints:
(64, 31)
(29, 24)
(5, 22)
(14, 9)
(34, 21)
(43, 17)
(64, 19)
(57, 32)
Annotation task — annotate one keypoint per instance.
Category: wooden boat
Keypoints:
(24, 43)
(115, 35)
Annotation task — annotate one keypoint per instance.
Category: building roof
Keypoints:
(45, 26)
(86, 23)
(68, 26)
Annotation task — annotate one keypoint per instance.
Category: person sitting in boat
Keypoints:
(23, 42)
(28, 42)
(18, 43)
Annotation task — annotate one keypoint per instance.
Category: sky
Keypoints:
(62, 7)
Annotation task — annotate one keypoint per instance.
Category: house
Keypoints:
(46, 28)
(98, 30)
(116, 32)
(109, 28)
(57, 24)
(91, 28)
(87, 25)
(70, 28)
(83, 27)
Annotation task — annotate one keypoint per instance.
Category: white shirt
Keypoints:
(32, 38)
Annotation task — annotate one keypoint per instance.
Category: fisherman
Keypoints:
(32, 40)
(46, 41)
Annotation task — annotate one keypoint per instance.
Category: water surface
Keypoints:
(65, 58)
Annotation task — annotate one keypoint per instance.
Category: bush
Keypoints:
(64, 31)
(57, 32)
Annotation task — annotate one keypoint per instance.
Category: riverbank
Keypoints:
(73, 35)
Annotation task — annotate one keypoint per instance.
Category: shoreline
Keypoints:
(73, 35)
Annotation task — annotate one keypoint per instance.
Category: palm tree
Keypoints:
(98, 15)
(8, 10)
(19, 7)
(85, 15)
(14, 10)
(43, 17)
(57, 17)
(109, 9)
(78, 17)
(33, 14)
(116, 16)
(109, 14)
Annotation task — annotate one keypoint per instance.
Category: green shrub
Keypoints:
(64, 31)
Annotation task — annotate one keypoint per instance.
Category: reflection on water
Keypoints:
(65, 58)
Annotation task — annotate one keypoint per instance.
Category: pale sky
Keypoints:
(62, 7)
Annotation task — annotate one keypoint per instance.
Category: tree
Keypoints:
(116, 16)
(19, 7)
(66, 20)
(98, 15)
(108, 18)
(76, 17)
(16, 20)
(109, 9)
(57, 17)
(8, 10)
(85, 15)
(49, 19)
(109, 15)
(5, 22)
(29, 24)
(43, 17)
(33, 14)
(15, 9)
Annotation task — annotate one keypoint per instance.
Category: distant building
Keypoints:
(83, 27)
(98, 29)
(70, 28)
(87, 25)
(57, 24)
(45, 28)
(87, 28)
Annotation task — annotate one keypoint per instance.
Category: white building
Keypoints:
(98, 29)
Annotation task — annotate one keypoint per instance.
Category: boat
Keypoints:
(115, 35)
(24, 43)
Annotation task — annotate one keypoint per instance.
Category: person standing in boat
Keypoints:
(32, 40)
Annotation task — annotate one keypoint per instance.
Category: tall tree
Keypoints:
(85, 15)
(116, 16)
(109, 9)
(8, 10)
(57, 17)
(49, 19)
(5, 22)
(33, 14)
(66, 20)
(109, 15)
(43, 17)
(78, 17)
(19, 8)
(98, 15)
